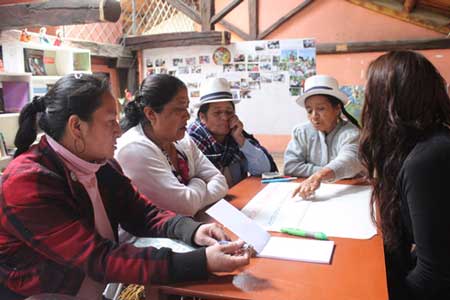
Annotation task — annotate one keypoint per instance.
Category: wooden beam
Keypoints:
(178, 39)
(206, 13)
(58, 12)
(381, 46)
(253, 18)
(243, 35)
(437, 23)
(283, 19)
(103, 50)
(409, 5)
(186, 9)
(221, 14)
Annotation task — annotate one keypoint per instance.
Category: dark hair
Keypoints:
(155, 92)
(336, 102)
(74, 94)
(405, 101)
(205, 107)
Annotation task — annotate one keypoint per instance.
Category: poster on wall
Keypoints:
(267, 76)
(355, 94)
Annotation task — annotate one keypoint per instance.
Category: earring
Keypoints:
(75, 145)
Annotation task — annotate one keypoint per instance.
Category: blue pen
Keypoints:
(278, 179)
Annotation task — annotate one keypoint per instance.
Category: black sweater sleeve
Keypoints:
(425, 193)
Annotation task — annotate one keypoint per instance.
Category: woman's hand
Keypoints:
(226, 257)
(210, 234)
(306, 188)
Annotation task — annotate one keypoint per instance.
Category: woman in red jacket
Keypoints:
(62, 200)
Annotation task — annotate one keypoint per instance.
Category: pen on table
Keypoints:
(305, 233)
(283, 179)
(244, 247)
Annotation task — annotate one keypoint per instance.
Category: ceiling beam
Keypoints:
(240, 33)
(424, 18)
(283, 19)
(58, 12)
(381, 46)
(178, 39)
(409, 5)
(186, 9)
(221, 14)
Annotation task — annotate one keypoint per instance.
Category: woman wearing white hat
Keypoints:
(220, 134)
(326, 147)
(163, 162)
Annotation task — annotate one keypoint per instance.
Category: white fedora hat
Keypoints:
(215, 90)
(321, 85)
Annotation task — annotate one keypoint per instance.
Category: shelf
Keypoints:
(45, 78)
(4, 76)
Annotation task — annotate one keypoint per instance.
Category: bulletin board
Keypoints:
(267, 76)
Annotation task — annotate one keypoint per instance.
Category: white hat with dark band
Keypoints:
(215, 90)
(321, 85)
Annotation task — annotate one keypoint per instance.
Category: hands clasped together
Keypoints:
(221, 257)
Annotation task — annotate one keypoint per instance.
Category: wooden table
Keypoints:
(357, 271)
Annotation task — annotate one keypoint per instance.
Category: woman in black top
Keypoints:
(405, 146)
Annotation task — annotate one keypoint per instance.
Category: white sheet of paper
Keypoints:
(337, 210)
(267, 246)
(175, 245)
(247, 230)
(298, 249)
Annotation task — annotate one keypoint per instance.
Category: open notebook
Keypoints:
(265, 245)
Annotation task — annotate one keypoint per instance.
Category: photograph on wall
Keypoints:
(239, 58)
(254, 76)
(235, 84)
(260, 47)
(253, 68)
(252, 58)
(190, 61)
(159, 62)
(289, 55)
(177, 61)
(183, 70)
(239, 67)
(262, 72)
(204, 59)
(273, 44)
(228, 68)
(197, 69)
(294, 91)
(149, 63)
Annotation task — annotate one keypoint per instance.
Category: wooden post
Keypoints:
(58, 12)
(206, 13)
(253, 18)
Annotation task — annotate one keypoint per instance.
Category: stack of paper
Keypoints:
(265, 245)
(337, 210)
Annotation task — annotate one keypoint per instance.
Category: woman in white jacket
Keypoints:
(163, 162)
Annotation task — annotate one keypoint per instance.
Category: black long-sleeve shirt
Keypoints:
(424, 185)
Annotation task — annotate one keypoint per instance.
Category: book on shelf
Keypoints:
(49, 63)
(2, 106)
(34, 61)
(3, 149)
(2, 68)
(15, 95)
